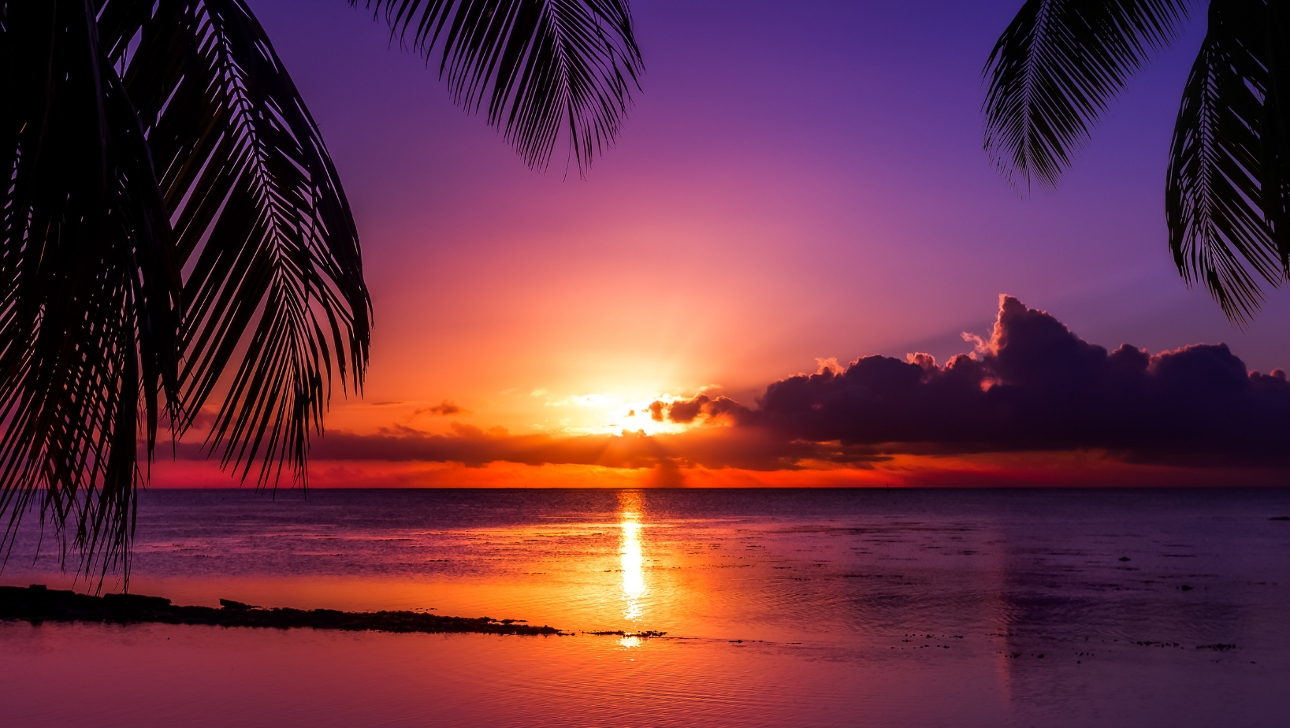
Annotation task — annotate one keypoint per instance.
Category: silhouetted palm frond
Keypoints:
(144, 142)
(173, 229)
(274, 281)
(1274, 132)
(1217, 232)
(545, 66)
(1053, 71)
(1228, 191)
(88, 285)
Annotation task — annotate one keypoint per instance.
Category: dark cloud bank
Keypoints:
(1034, 386)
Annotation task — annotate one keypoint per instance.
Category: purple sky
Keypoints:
(796, 181)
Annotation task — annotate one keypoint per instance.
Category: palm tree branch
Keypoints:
(1055, 68)
(1274, 132)
(88, 286)
(545, 67)
(1219, 232)
(274, 275)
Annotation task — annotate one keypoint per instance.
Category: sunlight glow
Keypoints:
(633, 560)
(605, 413)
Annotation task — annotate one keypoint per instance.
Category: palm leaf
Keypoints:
(88, 287)
(274, 275)
(1218, 230)
(546, 67)
(1274, 133)
(1054, 70)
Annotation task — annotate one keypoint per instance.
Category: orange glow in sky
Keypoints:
(761, 213)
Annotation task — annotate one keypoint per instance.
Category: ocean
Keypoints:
(870, 607)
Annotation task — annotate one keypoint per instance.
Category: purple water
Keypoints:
(798, 607)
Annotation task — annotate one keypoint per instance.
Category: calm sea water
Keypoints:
(816, 607)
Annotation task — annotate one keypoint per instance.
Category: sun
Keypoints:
(610, 413)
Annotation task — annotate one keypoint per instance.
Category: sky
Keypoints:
(798, 186)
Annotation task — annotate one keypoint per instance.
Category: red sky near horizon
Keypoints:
(796, 185)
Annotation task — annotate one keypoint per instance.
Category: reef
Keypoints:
(38, 604)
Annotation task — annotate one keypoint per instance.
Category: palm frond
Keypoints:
(1274, 133)
(544, 66)
(88, 287)
(1055, 68)
(273, 270)
(1218, 230)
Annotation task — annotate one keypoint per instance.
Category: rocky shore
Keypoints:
(38, 604)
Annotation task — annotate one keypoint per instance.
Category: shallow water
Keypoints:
(929, 607)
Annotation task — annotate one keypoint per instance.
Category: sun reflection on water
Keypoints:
(633, 562)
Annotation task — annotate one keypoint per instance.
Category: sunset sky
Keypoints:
(798, 186)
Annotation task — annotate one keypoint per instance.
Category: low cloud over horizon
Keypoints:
(1033, 386)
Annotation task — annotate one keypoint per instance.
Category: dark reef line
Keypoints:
(38, 604)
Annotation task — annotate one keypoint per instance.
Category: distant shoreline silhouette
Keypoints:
(38, 604)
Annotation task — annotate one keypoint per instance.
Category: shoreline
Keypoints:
(37, 604)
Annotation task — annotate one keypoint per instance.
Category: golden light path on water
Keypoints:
(632, 560)
(780, 609)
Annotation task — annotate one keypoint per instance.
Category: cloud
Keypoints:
(709, 447)
(474, 446)
(1034, 385)
(1032, 390)
(443, 409)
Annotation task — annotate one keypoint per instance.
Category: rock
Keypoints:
(135, 601)
(37, 604)
(646, 634)
(236, 606)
